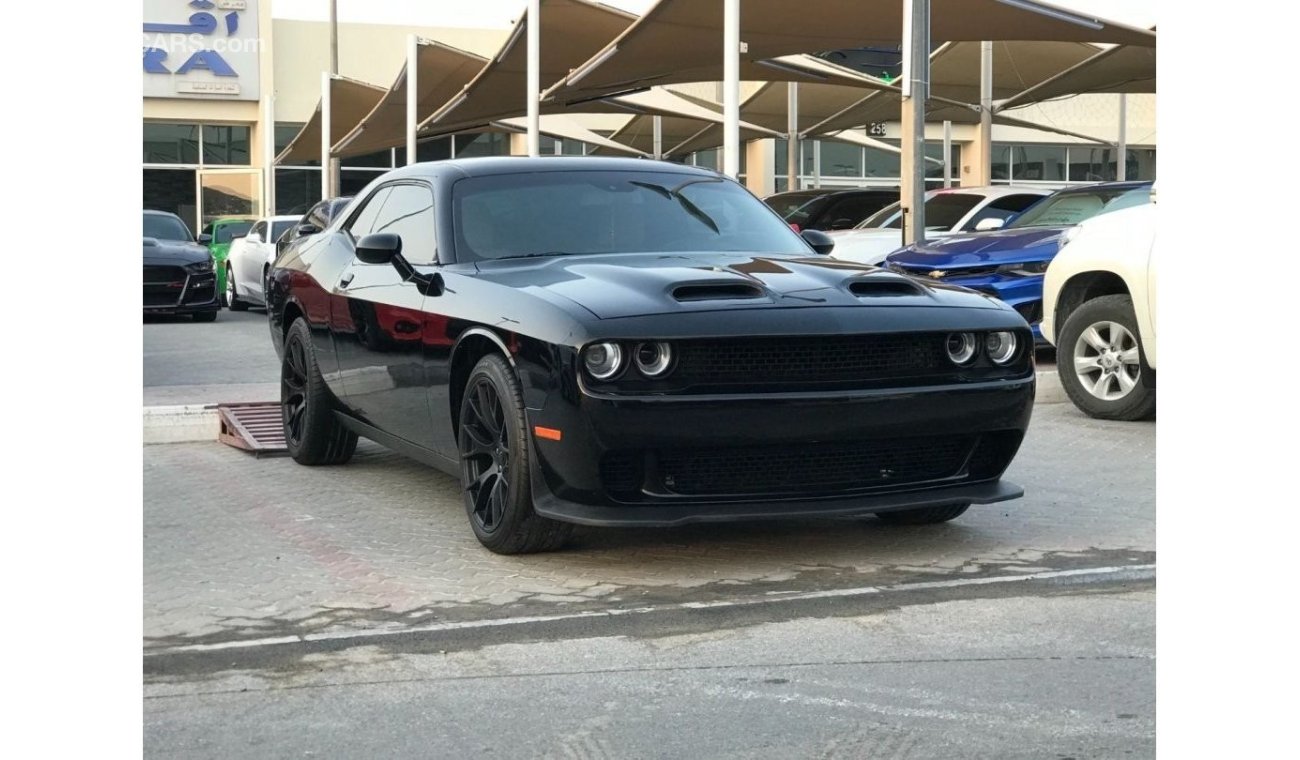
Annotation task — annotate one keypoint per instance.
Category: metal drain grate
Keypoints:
(255, 427)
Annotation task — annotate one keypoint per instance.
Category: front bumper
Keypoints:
(194, 293)
(981, 425)
(1024, 294)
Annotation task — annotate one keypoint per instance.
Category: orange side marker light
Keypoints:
(550, 434)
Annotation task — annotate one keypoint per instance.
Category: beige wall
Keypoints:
(373, 53)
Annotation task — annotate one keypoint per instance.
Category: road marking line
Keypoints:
(625, 611)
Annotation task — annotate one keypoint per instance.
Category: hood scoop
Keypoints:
(885, 286)
(717, 291)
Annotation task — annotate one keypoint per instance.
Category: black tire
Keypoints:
(493, 443)
(233, 301)
(1140, 401)
(205, 316)
(312, 433)
(924, 515)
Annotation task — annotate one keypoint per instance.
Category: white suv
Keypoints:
(1099, 298)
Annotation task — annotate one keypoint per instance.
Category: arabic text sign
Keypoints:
(201, 49)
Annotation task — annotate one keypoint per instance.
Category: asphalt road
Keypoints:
(347, 611)
(187, 362)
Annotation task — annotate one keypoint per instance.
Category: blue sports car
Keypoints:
(1009, 263)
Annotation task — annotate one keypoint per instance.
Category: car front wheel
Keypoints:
(1101, 363)
(232, 294)
(493, 445)
(312, 434)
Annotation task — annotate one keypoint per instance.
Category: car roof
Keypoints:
(993, 191)
(493, 165)
(283, 218)
(1104, 186)
(151, 212)
(233, 218)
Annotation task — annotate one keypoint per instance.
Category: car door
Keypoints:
(379, 340)
(244, 254)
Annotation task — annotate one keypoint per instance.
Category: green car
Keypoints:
(217, 236)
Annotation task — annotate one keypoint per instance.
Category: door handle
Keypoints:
(346, 280)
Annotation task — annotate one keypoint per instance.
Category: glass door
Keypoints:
(229, 192)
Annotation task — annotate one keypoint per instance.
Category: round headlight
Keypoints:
(653, 359)
(603, 360)
(1001, 346)
(961, 347)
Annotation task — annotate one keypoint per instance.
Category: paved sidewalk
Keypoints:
(237, 546)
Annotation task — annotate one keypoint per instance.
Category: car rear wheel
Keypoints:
(494, 468)
(924, 515)
(1101, 363)
(312, 434)
(232, 293)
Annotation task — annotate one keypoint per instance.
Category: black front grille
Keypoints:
(201, 290)
(1032, 311)
(810, 469)
(163, 285)
(813, 359)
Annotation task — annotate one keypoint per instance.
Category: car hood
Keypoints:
(983, 248)
(632, 284)
(173, 252)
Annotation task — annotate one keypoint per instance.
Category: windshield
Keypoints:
(787, 203)
(942, 212)
(232, 230)
(1068, 209)
(166, 227)
(553, 213)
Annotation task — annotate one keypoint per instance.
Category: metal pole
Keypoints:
(792, 136)
(985, 141)
(268, 152)
(731, 87)
(947, 153)
(534, 21)
(412, 95)
(1121, 165)
(916, 53)
(817, 164)
(659, 137)
(334, 36)
(326, 170)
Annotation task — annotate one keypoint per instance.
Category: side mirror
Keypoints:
(379, 248)
(304, 230)
(990, 223)
(820, 241)
(205, 239)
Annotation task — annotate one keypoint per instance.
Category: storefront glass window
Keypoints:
(1041, 163)
(437, 149)
(841, 159)
(171, 144)
(225, 145)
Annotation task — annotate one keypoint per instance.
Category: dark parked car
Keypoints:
(178, 271)
(829, 209)
(317, 218)
(634, 343)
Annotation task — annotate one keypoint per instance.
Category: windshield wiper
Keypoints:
(533, 255)
(676, 194)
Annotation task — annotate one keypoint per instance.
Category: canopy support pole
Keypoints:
(659, 137)
(947, 153)
(268, 152)
(534, 21)
(916, 85)
(985, 141)
(792, 136)
(1121, 161)
(731, 88)
(412, 95)
(326, 165)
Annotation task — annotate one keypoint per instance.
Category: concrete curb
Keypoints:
(181, 424)
(199, 422)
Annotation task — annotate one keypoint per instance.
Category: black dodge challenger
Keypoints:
(625, 342)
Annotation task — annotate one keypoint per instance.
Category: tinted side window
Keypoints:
(364, 222)
(317, 216)
(847, 212)
(1016, 203)
(259, 230)
(408, 212)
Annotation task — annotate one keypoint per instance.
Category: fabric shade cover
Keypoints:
(1017, 66)
(571, 32)
(442, 72)
(692, 31)
(350, 102)
(565, 127)
(1119, 69)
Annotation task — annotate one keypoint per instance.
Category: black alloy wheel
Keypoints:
(312, 434)
(494, 468)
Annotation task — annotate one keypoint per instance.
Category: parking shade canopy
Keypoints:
(571, 32)
(442, 72)
(350, 101)
(686, 35)
(1017, 66)
(565, 127)
(1122, 68)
